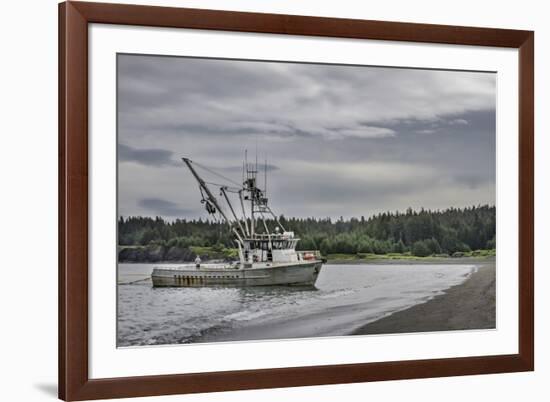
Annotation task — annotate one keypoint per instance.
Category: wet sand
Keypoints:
(470, 305)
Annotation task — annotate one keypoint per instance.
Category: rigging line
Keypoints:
(229, 189)
(134, 282)
(232, 190)
(265, 226)
(276, 219)
(224, 193)
(216, 173)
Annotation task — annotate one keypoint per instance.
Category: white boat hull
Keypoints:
(303, 273)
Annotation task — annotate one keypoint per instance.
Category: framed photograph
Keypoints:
(259, 200)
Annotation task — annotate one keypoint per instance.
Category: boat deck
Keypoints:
(208, 267)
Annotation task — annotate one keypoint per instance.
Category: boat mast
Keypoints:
(256, 196)
(204, 187)
(251, 187)
(245, 219)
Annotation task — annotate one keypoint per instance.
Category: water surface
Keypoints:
(344, 298)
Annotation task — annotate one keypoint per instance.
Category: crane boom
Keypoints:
(203, 186)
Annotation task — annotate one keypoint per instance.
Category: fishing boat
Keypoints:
(267, 255)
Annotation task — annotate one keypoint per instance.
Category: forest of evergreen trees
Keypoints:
(421, 233)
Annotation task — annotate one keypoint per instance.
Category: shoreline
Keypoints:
(154, 254)
(413, 261)
(376, 261)
(469, 305)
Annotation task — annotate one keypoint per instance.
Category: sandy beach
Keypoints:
(470, 305)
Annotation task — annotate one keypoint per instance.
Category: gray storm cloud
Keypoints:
(339, 140)
(148, 157)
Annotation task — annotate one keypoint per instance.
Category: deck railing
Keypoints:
(202, 265)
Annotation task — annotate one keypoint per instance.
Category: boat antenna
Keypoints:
(265, 178)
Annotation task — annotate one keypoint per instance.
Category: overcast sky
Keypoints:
(339, 140)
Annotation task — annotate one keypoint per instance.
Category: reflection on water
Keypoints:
(149, 316)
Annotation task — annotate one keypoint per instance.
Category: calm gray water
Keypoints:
(345, 297)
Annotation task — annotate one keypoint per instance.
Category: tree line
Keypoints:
(421, 233)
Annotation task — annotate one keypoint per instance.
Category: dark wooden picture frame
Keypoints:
(74, 381)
